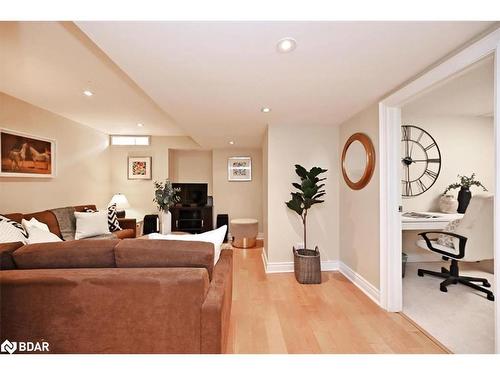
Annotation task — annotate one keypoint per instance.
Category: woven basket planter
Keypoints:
(307, 266)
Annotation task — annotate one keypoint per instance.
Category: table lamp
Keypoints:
(121, 204)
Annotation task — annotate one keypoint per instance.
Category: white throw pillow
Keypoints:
(38, 235)
(11, 231)
(34, 223)
(91, 224)
(216, 237)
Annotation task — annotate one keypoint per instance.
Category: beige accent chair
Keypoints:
(472, 241)
(244, 232)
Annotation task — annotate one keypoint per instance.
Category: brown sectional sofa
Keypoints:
(116, 296)
(128, 225)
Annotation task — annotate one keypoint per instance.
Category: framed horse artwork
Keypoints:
(24, 155)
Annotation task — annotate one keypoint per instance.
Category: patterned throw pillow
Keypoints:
(446, 240)
(113, 223)
(12, 231)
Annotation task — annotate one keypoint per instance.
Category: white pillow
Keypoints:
(91, 224)
(11, 231)
(34, 223)
(38, 235)
(215, 236)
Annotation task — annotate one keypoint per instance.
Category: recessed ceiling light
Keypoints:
(286, 45)
(140, 125)
(231, 142)
(88, 93)
(265, 109)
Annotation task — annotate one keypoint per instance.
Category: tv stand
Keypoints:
(191, 219)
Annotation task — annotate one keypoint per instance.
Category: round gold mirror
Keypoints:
(358, 161)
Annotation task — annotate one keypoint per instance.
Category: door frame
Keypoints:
(391, 291)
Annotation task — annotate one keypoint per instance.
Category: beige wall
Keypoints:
(309, 146)
(359, 209)
(242, 199)
(82, 157)
(465, 142)
(140, 192)
(191, 166)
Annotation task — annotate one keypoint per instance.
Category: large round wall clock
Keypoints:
(420, 160)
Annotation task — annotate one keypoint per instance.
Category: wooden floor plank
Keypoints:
(272, 313)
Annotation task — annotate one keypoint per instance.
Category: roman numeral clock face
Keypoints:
(420, 160)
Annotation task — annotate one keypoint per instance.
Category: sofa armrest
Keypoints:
(127, 223)
(216, 310)
(6, 259)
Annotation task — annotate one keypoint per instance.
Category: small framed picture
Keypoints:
(139, 168)
(239, 168)
(26, 155)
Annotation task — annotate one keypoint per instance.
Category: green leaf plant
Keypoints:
(309, 191)
(466, 182)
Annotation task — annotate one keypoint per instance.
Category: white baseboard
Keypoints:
(366, 287)
(279, 267)
(328, 265)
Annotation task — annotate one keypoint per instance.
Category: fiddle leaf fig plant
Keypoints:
(309, 191)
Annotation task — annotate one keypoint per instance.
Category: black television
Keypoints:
(192, 194)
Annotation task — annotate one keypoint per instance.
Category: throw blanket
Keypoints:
(67, 222)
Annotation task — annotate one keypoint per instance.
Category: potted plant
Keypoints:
(166, 196)
(464, 195)
(307, 265)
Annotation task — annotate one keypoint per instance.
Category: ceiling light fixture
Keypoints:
(286, 45)
(88, 93)
(140, 125)
(265, 109)
(231, 142)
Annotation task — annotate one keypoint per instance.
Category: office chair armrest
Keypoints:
(461, 244)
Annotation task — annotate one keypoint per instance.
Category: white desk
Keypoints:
(438, 221)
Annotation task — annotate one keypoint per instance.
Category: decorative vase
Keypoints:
(448, 204)
(464, 196)
(165, 222)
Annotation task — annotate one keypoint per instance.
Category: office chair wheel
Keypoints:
(443, 289)
(420, 273)
(490, 297)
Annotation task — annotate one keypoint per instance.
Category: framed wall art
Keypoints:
(239, 168)
(26, 155)
(139, 168)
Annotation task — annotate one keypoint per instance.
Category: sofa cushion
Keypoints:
(68, 254)
(46, 217)
(6, 251)
(132, 253)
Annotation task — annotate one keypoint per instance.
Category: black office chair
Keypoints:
(472, 241)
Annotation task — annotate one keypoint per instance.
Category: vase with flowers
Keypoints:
(166, 196)
(464, 195)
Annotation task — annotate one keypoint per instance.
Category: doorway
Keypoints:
(391, 293)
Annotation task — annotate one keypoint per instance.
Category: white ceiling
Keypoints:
(213, 77)
(469, 93)
(210, 79)
(49, 64)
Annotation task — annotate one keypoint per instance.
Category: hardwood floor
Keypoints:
(272, 313)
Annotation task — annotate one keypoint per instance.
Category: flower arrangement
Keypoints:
(165, 195)
(465, 182)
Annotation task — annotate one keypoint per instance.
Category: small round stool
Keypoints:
(244, 232)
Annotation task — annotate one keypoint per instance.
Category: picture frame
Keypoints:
(26, 155)
(239, 168)
(139, 168)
